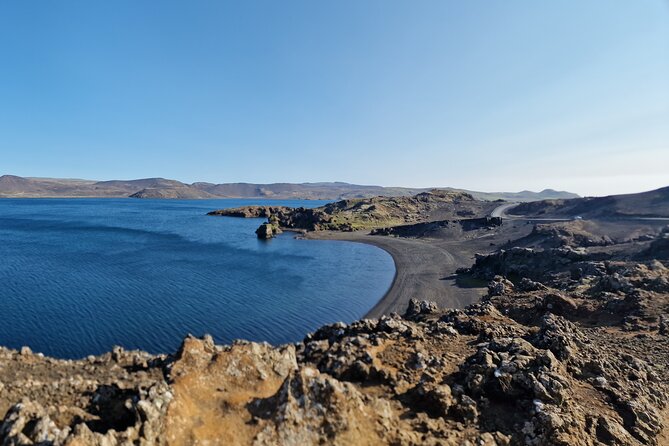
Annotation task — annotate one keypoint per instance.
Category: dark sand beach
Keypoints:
(424, 269)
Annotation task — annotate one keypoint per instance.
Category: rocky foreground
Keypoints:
(575, 357)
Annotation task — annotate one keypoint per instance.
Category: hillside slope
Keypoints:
(173, 193)
(654, 203)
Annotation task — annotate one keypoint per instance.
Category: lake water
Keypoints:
(78, 276)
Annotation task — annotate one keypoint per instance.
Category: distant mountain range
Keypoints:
(25, 187)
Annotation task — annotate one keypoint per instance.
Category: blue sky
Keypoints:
(485, 95)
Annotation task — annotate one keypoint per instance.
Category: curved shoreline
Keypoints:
(422, 270)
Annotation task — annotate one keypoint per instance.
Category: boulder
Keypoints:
(267, 231)
(500, 286)
(664, 325)
(417, 307)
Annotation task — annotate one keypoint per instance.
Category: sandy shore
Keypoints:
(423, 270)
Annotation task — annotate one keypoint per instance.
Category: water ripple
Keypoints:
(78, 276)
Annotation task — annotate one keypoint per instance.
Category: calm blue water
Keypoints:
(78, 276)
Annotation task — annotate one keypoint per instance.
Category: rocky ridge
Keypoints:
(574, 233)
(369, 213)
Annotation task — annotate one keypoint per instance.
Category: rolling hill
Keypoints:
(12, 186)
(652, 204)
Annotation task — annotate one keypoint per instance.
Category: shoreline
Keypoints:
(425, 271)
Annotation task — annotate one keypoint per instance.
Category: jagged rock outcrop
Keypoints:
(574, 234)
(473, 376)
(267, 231)
(537, 265)
(431, 228)
(110, 399)
(659, 248)
(215, 387)
(251, 211)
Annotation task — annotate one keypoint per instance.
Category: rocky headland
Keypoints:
(368, 213)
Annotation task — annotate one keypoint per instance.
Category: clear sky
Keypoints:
(485, 95)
